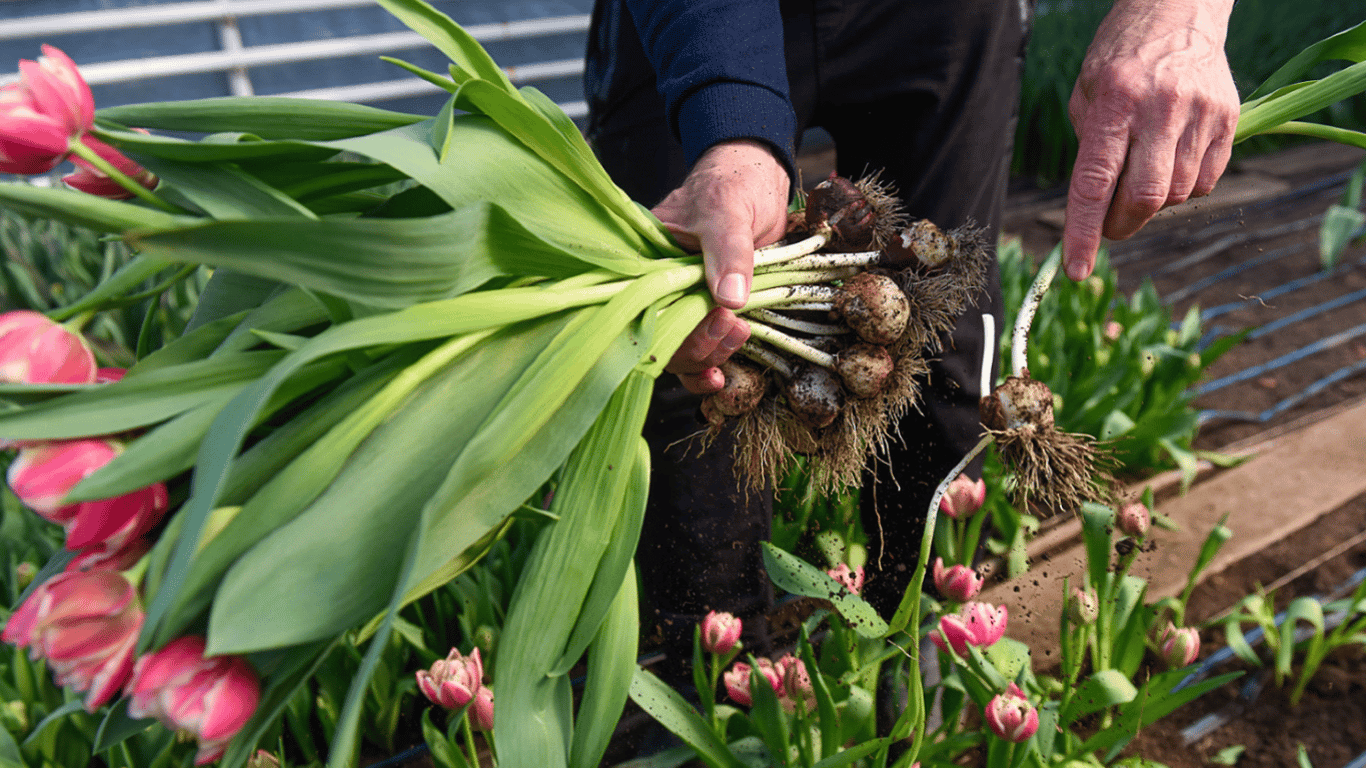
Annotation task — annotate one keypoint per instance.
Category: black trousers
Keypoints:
(923, 91)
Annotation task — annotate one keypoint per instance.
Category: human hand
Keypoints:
(1154, 109)
(733, 200)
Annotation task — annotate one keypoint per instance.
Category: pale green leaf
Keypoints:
(270, 117)
(1349, 44)
(798, 577)
(674, 713)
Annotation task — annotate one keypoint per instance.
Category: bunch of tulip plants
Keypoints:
(399, 356)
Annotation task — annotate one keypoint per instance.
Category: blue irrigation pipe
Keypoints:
(1288, 320)
(1278, 291)
(1358, 762)
(1224, 274)
(1321, 345)
(1318, 386)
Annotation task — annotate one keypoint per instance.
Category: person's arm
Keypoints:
(1154, 109)
(721, 69)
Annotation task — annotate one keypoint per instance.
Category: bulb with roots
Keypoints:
(874, 307)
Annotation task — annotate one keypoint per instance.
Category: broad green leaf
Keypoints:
(1009, 656)
(673, 712)
(449, 38)
(799, 577)
(125, 280)
(215, 148)
(1106, 688)
(136, 402)
(270, 117)
(490, 165)
(1349, 44)
(853, 754)
(1296, 101)
(388, 263)
(117, 726)
(224, 191)
(1097, 522)
(1340, 224)
(558, 576)
(10, 757)
(611, 667)
(1155, 700)
(91, 212)
(1302, 609)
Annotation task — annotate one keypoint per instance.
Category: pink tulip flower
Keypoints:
(1135, 520)
(737, 680)
(1179, 646)
(92, 180)
(976, 624)
(211, 698)
(963, 497)
(109, 375)
(453, 681)
(42, 113)
(42, 476)
(103, 558)
(86, 626)
(35, 350)
(958, 583)
(851, 578)
(481, 711)
(1011, 716)
(720, 632)
(797, 684)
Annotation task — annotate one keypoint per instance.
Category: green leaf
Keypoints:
(387, 263)
(270, 117)
(89, 211)
(215, 148)
(10, 757)
(1106, 688)
(224, 191)
(611, 668)
(798, 577)
(1009, 656)
(1155, 700)
(1340, 224)
(449, 38)
(53, 717)
(118, 726)
(853, 754)
(1349, 44)
(1296, 101)
(674, 713)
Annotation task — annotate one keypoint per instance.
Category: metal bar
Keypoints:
(230, 39)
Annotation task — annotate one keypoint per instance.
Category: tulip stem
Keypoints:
(1019, 340)
(107, 168)
(469, 738)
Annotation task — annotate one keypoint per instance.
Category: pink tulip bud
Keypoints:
(797, 686)
(92, 180)
(963, 497)
(1084, 607)
(1011, 716)
(1180, 646)
(49, 106)
(952, 633)
(211, 698)
(720, 632)
(453, 681)
(850, 578)
(41, 476)
(1113, 331)
(35, 350)
(1135, 520)
(263, 759)
(736, 680)
(104, 558)
(109, 376)
(481, 711)
(24, 574)
(958, 583)
(85, 625)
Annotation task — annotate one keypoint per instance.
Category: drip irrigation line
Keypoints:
(1276, 325)
(1358, 762)
(1280, 290)
(1228, 241)
(1321, 345)
(402, 757)
(1340, 374)
(1224, 274)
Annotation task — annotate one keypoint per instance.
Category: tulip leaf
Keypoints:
(136, 402)
(91, 212)
(1106, 688)
(10, 756)
(294, 668)
(611, 667)
(673, 712)
(117, 726)
(270, 117)
(54, 717)
(799, 577)
(387, 263)
(493, 166)
(1349, 44)
(214, 148)
(1295, 101)
(1155, 700)
(224, 191)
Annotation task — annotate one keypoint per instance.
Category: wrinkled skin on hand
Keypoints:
(733, 200)
(1154, 109)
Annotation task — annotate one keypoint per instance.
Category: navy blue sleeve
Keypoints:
(721, 69)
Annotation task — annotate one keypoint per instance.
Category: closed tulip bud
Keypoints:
(42, 113)
(23, 575)
(1113, 331)
(1135, 520)
(86, 626)
(720, 632)
(209, 698)
(958, 583)
(93, 181)
(35, 350)
(963, 497)
(109, 376)
(481, 711)
(102, 558)
(263, 759)
(1084, 607)
(850, 578)
(1179, 646)
(42, 476)
(736, 680)
(486, 638)
(797, 686)
(453, 681)
(1010, 715)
